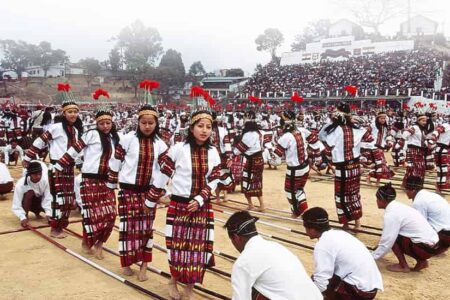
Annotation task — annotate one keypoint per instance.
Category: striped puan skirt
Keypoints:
(294, 184)
(226, 178)
(442, 160)
(346, 192)
(135, 228)
(189, 240)
(62, 189)
(382, 170)
(415, 162)
(252, 176)
(98, 209)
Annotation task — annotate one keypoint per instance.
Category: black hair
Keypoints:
(190, 139)
(155, 134)
(241, 223)
(250, 126)
(316, 218)
(414, 183)
(78, 124)
(386, 192)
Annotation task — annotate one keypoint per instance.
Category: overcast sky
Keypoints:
(220, 34)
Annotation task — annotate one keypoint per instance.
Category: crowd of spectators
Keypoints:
(400, 70)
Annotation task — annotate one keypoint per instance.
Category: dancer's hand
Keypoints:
(192, 206)
(24, 223)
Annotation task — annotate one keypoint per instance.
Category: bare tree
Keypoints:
(373, 13)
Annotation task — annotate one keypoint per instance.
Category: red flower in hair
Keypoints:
(255, 99)
(100, 92)
(149, 85)
(197, 91)
(353, 107)
(296, 98)
(405, 106)
(63, 87)
(351, 89)
(209, 99)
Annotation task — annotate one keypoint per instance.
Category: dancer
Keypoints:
(98, 202)
(251, 147)
(221, 140)
(342, 139)
(194, 167)
(294, 144)
(59, 137)
(135, 166)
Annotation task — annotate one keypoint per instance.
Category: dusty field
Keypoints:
(32, 268)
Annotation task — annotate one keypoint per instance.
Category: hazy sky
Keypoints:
(221, 34)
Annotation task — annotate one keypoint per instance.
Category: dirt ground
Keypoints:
(32, 268)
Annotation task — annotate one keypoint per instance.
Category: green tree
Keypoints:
(47, 57)
(141, 46)
(171, 63)
(17, 55)
(92, 68)
(270, 40)
(115, 59)
(234, 73)
(197, 69)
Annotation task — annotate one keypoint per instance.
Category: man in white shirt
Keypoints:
(13, 153)
(32, 193)
(405, 231)
(433, 207)
(265, 269)
(6, 181)
(343, 267)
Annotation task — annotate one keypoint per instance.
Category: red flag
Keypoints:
(296, 98)
(351, 89)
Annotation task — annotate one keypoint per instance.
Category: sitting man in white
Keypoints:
(433, 207)
(343, 267)
(405, 231)
(265, 269)
(32, 193)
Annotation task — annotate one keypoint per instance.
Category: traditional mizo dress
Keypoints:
(441, 136)
(380, 143)
(98, 206)
(343, 145)
(221, 140)
(251, 148)
(295, 146)
(135, 165)
(195, 172)
(61, 182)
(416, 152)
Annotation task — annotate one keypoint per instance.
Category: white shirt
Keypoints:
(250, 144)
(273, 270)
(434, 208)
(180, 170)
(40, 189)
(91, 145)
(339, 253)
(8, 150)
(57, 140)
(336, 141)
(128, 166)
(401, 219)
(414, 136)
(5, 176)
